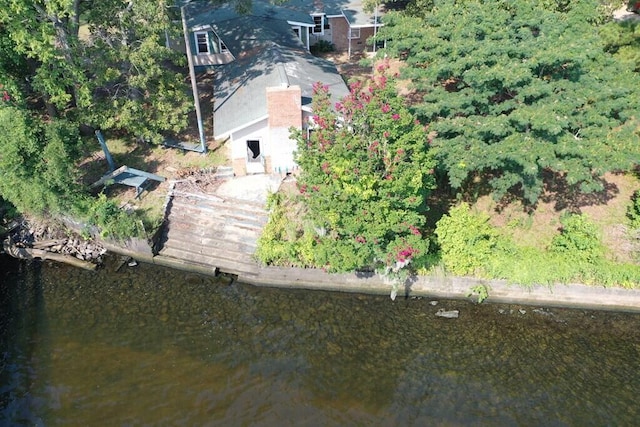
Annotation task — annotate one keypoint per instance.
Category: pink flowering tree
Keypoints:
(366, 171)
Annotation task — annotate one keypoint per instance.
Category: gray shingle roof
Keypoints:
(353, 10)
(268, 54)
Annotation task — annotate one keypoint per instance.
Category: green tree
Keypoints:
(517, 91)
(622, 39)
(118, 74)
(366, 172)
(37, 172)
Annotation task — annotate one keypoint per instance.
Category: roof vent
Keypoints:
(282, 73)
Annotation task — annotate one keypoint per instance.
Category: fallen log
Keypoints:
(31, 253)
(48, 243)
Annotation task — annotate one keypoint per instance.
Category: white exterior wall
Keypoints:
(239, 139)
(282, 151)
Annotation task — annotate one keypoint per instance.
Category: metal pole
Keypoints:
(194, 83)
(375, 28)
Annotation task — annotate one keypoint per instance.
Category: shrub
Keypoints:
(466, 239)
(111, 220)
(579, 239)
(323, 46)
(633, 210)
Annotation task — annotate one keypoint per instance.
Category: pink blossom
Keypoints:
(386, 108)
(396, 117)
(383, 66)
(386, 134)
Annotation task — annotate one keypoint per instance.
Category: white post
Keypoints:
(375, 28)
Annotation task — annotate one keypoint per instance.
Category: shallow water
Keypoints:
(152, 346)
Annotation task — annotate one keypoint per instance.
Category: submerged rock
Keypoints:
(448, 314)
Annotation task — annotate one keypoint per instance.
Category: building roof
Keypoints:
(299, 10)
(268, 54)
(352, 10)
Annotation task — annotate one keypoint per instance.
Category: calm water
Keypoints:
(152, 346)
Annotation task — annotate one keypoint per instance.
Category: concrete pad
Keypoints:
(253, 188)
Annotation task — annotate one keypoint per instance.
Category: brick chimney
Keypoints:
(284, 106)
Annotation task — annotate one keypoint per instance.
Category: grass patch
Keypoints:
(171, 163)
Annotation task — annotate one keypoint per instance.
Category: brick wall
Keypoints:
(284, 106)
(240, 166)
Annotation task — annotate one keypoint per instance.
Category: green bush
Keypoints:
(323, 46)
(579, 239)
(466, 239)
(280, 242)
(111, 220)
(633, 210)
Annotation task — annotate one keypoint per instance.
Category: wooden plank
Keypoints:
(109, 176)
(213, 225)
(193, 237)
(214, 207)
(207, 245)
(233, 266)
(216, 222)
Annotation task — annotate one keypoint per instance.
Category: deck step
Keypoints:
(212, 231)
(227, 265)
(209, 244)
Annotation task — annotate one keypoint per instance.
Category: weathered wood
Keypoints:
(49, 243)
(108, 177)
(233, 266)
(210, 244)
(214, 231)
(218, 208)
(204, 232)
(31, 253)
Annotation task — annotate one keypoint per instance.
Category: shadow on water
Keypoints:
(147, 345)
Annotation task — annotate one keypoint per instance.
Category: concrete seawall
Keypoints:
(447, 287)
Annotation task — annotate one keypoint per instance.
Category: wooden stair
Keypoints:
(210, 231)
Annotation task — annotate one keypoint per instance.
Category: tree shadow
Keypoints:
(568, 197)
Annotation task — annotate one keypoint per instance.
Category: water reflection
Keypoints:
(153, 346)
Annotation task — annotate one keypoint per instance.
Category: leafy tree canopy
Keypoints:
(366, 172)
(103, 63)
(516, 89)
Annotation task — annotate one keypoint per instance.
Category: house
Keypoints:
(263, 79)
(343, 23)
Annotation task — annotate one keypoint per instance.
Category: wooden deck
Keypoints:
(209, 231)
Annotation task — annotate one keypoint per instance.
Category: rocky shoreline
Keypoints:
(30, 238)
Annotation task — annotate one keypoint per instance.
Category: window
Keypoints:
(318, 21)
(296, 30)
(223, 47)
(202, 42)
(354, 33)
